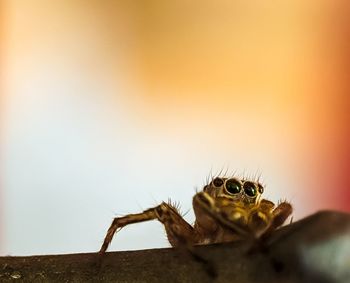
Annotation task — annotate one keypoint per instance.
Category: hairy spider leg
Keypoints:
(179, 232)
(260, 217)
(120, 222)
(279, 216)
(209, 211)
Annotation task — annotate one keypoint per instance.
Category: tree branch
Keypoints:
(314, 249)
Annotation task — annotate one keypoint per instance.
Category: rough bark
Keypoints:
(314, 249)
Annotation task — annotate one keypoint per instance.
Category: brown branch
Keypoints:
(315, 249)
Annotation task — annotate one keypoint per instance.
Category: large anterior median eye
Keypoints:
(233, 186)
(249, 189)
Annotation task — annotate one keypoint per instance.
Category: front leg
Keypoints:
(279, 216)
(179, 232)
(220, 219)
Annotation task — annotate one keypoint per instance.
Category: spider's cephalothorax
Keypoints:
(227, 209)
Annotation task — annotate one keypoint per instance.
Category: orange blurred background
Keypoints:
(98, 96)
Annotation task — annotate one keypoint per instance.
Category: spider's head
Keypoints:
(246, 191)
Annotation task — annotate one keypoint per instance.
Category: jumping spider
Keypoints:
(227, 209)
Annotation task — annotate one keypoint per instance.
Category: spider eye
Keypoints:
(261, 188)
(218, 182)
(233, 186)
(249, 189)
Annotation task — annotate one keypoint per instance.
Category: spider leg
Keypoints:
(178, 230)
(260, 216)
(120, 222)
(279, 216)
(210, 211)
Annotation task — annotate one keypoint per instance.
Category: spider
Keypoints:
(226, 210)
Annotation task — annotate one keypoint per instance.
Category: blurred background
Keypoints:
(110, 107)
